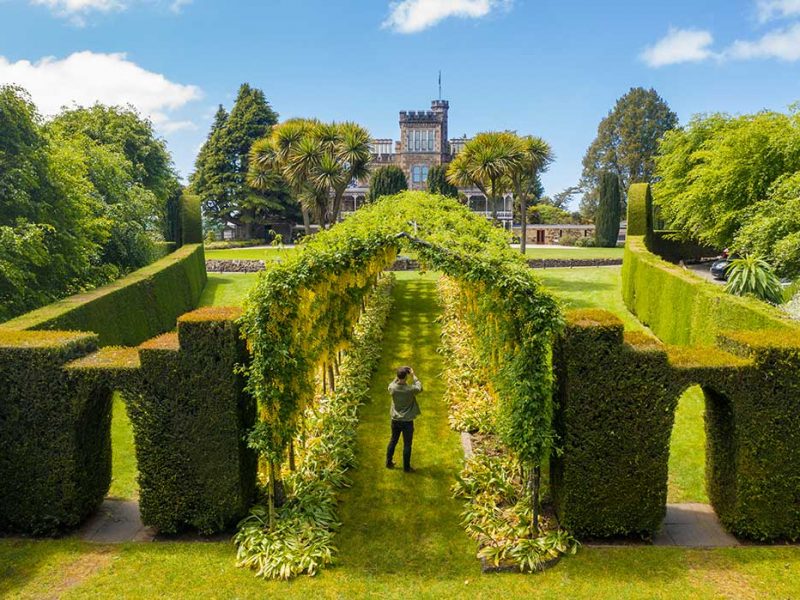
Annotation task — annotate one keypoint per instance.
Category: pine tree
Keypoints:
(608, 211)
(386, 181)
(220, 177)
(438, 184)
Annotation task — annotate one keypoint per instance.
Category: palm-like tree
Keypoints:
(485, 163)
(317, 160)
(532, 156)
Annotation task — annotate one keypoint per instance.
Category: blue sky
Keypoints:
(550, 68)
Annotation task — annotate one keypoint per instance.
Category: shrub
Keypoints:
(615, 401)
(753, 276)
(608, 211)
(190, 416)
(386, 181)
(438, 184)
(132, 309)
(55, 447)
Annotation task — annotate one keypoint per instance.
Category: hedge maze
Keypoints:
(613, 399)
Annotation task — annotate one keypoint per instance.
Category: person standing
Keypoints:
(403, 412)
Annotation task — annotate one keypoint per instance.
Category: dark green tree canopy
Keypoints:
(386, 181)
(626, 143)
(221, 167)
(438, 184)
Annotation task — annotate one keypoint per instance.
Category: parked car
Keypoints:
(719, 268)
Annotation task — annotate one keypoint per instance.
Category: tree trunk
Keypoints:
(307, 221)
(324, 379)
(331, 378)
(271, 495)
(536, 481)
(523, 218)
(292, 465)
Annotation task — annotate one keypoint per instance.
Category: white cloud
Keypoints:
(413, 16)
(783, 44)
(78, 11)
(777, 9)
(679, 46)
(84, 78)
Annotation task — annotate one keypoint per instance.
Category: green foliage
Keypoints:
(222, 165)
(386, 181)
(316, 160)
(132, 309)
(716, 173)
(640, 210)
(752, 276)
(94, 182)
(608, 211)
(626, 144)
(772, 227)
(191, 219)
(190, 415)
(302, 538)
(547, 214)
(438, 184)
(55, 449)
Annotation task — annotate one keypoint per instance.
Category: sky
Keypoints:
(552, 68)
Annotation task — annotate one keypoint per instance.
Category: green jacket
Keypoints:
(404, 400)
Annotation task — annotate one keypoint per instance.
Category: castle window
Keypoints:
(416, 140)
(409, 140)
(419, 173)
(431, 135)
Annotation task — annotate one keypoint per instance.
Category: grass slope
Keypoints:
(572, 252)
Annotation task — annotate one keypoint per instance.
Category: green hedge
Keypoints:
(640, 209)
(55, 446)
(191, 219)
(615, 400)
(190, 417)
(682, 309)
(752, 430)
(132, 309)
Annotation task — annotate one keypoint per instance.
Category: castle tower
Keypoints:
(423, 142)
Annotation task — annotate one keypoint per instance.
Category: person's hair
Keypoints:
(403, 372)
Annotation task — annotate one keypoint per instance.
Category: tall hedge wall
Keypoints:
(190, 416)
(132, 309)
(616, 400)
(682, 309)
(55, 447)
(191, 219)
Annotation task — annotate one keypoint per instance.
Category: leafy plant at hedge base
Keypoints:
(752, 275)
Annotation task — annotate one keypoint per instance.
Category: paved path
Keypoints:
(693, 526)
(116, 522)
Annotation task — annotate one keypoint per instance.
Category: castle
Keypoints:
(424, 144)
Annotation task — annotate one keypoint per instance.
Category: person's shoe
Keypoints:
(390, 465)
(409, 470)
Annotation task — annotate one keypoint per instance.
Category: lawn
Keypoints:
(268, 253)
(572, 252)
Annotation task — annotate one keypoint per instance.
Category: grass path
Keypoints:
(396, 522)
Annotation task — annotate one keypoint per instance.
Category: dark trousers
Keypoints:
(407, 429)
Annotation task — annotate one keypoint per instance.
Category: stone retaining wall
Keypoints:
(407, 264)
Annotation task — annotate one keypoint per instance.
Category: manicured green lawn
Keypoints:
(123, 458)
(570, 252)
(250, 253)
(227, 289)
(400, 536)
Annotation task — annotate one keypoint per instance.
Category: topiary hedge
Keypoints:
(616, 396)
(190, 416)
(191, 219)
(615, 400)
(682, 309)
(132, 309)
(55, 447)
